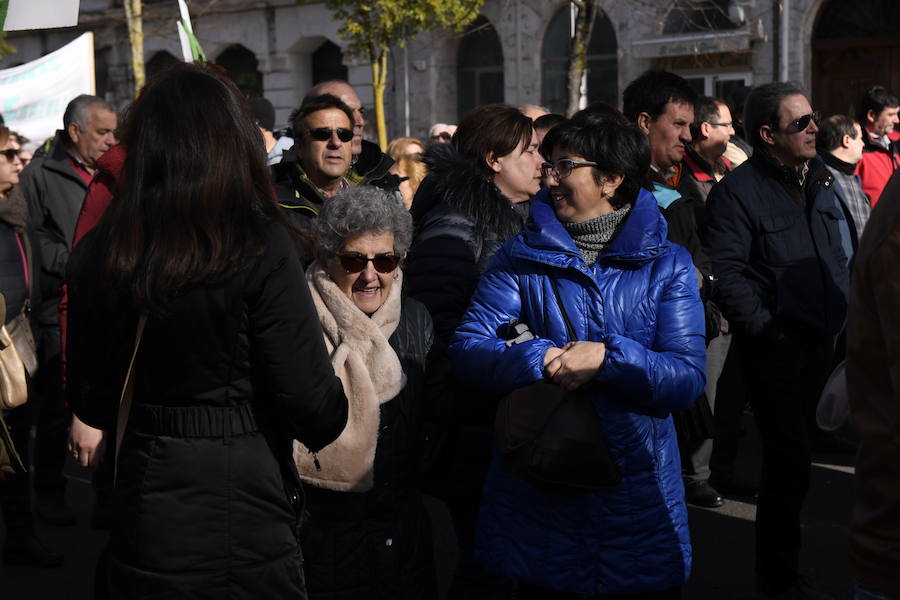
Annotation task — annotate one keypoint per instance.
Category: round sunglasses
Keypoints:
(354, 262)
(323, 134)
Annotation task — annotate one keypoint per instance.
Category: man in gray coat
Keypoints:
(54, 185)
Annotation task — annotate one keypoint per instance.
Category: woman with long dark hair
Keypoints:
(231, 364)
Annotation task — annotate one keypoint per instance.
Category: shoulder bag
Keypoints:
(551, 437)
(13, 381)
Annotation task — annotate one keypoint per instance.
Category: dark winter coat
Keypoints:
(55, 192)
(640, 299)
(777, 250)
(873, 380)
(206, 502)
(460, 220)
(376, 545)
(16, 275)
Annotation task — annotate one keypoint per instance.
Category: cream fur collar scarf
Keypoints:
(371, 373)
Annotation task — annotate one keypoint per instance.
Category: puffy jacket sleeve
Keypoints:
(671, 374)
(288, 350)
(728, 238)
(477, 354)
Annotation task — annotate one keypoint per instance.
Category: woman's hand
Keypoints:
(86, 443)
(550, 356)
(577, 364)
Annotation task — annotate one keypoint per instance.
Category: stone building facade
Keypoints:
(516, 52)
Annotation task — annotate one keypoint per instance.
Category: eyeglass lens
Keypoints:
(355, 262)
(323, 134)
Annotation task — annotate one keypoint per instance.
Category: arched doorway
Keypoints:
(855, 45)
(243, 68)
(602, 62)
(479, 67)
(328, 63)
(159, 62)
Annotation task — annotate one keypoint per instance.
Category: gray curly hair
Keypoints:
(359, 210)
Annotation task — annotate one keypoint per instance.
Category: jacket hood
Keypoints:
(641, 238)
(456, 181)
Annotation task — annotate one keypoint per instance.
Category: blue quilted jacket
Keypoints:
(641, 300)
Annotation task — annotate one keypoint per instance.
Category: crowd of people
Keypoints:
(271, 353)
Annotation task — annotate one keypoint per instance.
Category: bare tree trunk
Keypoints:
(586, 12)
(379, 84)
(134, 18)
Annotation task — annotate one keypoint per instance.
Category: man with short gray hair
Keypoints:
(54, 185)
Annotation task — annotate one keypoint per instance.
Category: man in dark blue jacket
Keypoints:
(773, 236)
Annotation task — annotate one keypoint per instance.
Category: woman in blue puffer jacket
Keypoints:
(633, 301)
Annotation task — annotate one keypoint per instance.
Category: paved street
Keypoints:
(723, 540)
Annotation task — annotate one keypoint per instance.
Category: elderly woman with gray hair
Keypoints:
(368, 535)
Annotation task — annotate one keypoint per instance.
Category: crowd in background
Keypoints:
(271, 352)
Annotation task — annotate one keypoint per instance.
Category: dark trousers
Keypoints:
(15, 489)
(533, 592)
(52, 421)
(731, 398)
(785, 381)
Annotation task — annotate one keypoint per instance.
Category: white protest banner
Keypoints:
(41, 14)
(33, 96)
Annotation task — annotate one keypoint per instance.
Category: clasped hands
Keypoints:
(574, 364)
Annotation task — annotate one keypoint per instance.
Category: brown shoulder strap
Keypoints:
(128, 392)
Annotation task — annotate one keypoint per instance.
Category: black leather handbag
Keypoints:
(551, 437)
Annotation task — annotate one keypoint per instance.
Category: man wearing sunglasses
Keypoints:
(316, 167)
(773, 235)
(369, 165)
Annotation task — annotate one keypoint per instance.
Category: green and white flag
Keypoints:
(190, 46)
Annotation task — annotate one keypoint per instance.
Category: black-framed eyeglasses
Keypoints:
(798, 125)
(323, 134)
(11, 154)
(726, 124)
(354, 262)
(563, 167)
(444, 135)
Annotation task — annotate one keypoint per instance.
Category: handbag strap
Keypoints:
(127, 392)
(569, 329)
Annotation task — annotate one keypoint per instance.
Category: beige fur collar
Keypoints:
(371, 373)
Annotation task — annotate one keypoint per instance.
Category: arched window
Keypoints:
(242, 66)
(479, 67)
(328, 63)
(693, 16)
(602, 62)
(158, 63)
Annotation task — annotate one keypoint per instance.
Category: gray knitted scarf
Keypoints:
(591, 237)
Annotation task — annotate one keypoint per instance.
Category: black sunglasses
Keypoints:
(354, 262)
(11, 154)
(798, 125)
(323, 134)
(447, 137)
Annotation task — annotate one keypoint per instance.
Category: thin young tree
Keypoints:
(134, 21)
(372, 27)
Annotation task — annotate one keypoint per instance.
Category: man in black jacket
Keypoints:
(54, 185)
(320, 164)
(369, 165)
(773, 237)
